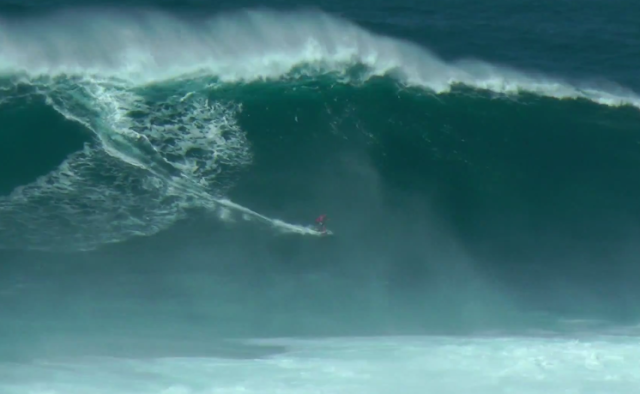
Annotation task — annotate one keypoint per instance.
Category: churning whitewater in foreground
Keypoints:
(145, 87)
(352, 366)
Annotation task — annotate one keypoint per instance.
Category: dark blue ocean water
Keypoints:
(161, 165)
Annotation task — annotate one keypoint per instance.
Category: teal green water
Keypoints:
(479, 167)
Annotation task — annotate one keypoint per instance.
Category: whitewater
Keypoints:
(437, 364)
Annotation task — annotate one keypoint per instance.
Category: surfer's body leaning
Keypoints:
(320, 223)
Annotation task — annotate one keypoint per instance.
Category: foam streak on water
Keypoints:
(353, 366)
(156, 154)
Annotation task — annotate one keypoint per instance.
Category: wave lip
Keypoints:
(151, 46)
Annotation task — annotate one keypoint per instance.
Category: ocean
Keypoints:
(162, 164)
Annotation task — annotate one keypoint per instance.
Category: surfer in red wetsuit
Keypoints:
(320, 223)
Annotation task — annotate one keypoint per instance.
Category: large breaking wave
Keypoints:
(161, 97)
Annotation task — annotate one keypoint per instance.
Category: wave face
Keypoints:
(147, 116)
(180, 161)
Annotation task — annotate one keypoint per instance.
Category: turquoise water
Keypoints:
(161, 165)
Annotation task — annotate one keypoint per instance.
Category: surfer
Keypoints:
(320, 223)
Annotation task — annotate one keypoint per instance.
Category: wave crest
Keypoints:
(151, 46)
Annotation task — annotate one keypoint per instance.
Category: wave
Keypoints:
(161, 97)
(147, 46)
